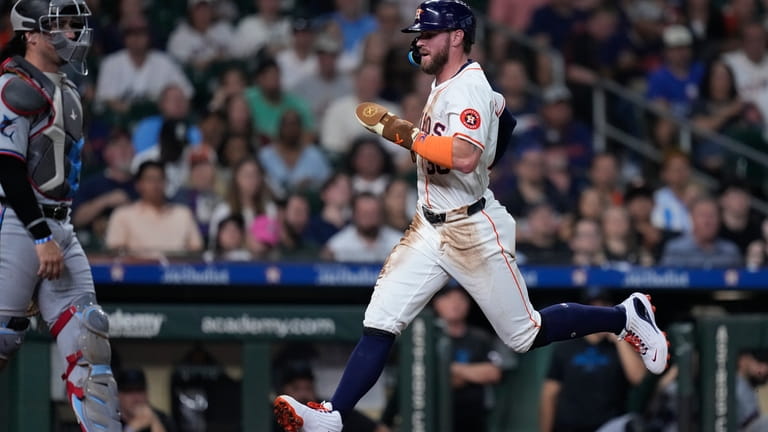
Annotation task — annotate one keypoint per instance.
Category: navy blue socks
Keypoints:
(572, 320)
(363, 369)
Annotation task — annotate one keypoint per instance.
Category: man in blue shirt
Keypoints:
(675, 84)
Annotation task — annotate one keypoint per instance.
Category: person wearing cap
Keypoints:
(136, 73)
(327, 83)
(201, 39)
(675, 84)
(559, 129)
(267, 29)
(136, 412)
(751, 373)
(298, 61)
(588, 381)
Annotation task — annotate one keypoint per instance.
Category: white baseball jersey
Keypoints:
(477, 250)
(467, 107)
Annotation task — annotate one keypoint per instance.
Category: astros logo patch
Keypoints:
(470, 118)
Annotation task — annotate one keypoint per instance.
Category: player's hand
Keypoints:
(116, 198)
(51, 260)
(378, 120)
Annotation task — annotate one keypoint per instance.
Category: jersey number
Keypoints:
(438, 130)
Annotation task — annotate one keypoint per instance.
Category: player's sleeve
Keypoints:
(470, 114)
(18, 100)
(507, 125)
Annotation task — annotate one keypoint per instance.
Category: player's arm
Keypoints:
(548, 404)
(476, 373)
(454, 152)
(631, 363)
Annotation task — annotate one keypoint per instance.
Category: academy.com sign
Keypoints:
(267, 326)
(135, 324)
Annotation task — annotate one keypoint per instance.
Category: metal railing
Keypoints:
(604, 130)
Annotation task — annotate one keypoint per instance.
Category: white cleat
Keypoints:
(643, 334)
(294, 416)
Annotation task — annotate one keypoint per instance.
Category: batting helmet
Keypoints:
(444, 15)
(57, 18)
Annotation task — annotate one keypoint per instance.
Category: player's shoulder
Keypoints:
(21, 95)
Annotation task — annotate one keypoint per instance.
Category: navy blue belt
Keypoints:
(58, 211)
(438, 218)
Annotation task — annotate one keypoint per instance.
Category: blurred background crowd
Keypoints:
(225, 129)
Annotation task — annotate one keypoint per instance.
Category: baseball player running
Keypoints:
(460, 231)
(41, 260)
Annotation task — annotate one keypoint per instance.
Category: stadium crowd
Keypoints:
(226, 128)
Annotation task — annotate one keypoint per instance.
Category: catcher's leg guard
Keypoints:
(81, 333)
(12, 332)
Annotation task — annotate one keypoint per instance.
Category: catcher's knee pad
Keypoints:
(91, 389)
(12, 332)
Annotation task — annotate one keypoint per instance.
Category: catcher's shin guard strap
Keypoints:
(63, 320)
(436, 149)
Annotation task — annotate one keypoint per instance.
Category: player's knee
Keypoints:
(95, 339)
(12, 332)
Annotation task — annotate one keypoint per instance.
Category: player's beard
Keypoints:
(436, 61)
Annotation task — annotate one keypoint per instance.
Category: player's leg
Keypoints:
(409, 278)
(81, 329)
(500, 291)
(18, 278)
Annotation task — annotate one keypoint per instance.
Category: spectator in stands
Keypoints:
(591, 204)
(669, 210)
(268, 102)
(239, 119)
(720, 109)
(599, 51)
(298, 61)
(751, 373)
(513, 15)
(749, 65)
(230, 244)
(199, 191)
(387, 36)
(235, 149)
(213, 130)
(232, 81)
(650, 239)
(369, 165)
(102, 192)
(588, 382)
(290, 163)
(328, 83)
(647, 20)
(707, 24)
(738, 14)
(367, 238)
(137, 73)
(335, 211)
(740, 223)
(529, 186)
(249, 195)
(136, 412)
(201, 39)
(604, 177)
(476, 362)
(266, 29)
(755, 257)
(587, 244)
(399, 204)
(619, 241)
(152, 225)
(173, 150)
(173, 105)
(558, 128)
(554, 22)
(702, 248)
(541, 244)
(296, 379)
(340, 129)
(512, 81)
(352, 23)
(297, 239)
(557, 171)
(674, 86)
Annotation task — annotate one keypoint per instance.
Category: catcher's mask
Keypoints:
(64, 21)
